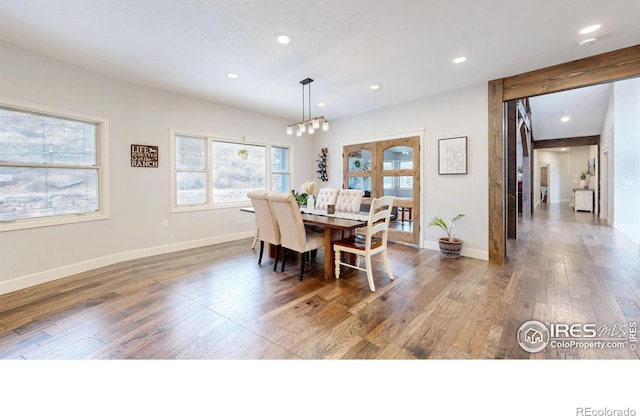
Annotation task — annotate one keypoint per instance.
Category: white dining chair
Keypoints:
(349, 200)
(293, 235)
(326, 196)
(266, 225)
(367, 245)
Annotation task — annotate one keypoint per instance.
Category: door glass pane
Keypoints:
(360, 182)
(398, 157)
(398, 186)
(359, 160)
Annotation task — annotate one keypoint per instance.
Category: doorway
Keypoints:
(544, 183)
(388, 168)
(606, 67)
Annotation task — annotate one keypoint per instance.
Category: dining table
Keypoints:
(338, 225)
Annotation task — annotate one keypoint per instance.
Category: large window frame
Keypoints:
(283, 171)
(100, 168)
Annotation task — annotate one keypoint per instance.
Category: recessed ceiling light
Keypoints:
(587, 42)
(564, 119)
(321, 104)
(590, 29)
(459, 59)
(232, 75)
(564, 149)
(375, 87)
(283, 38)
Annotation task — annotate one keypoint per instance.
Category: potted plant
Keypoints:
(301, 198)
(584, 179)
(449, 245)
(243, 153)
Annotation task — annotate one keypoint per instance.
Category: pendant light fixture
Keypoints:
(309, 125)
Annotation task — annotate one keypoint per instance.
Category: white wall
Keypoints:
(626, 153)
(559, 175)
(140, 198)
(606, 155)
(458, 113)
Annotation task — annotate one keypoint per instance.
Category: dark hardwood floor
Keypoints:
(217, 303)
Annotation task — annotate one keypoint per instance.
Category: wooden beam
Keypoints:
(523, 114)
(512, 172)
(567, 142)
(497, 237)
(598, 69)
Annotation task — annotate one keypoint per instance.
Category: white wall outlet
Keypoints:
(165, 223)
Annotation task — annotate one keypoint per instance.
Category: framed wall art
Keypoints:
(452, 156)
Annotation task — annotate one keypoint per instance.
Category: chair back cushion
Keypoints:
(349, 200)
(326, 196)
(287, 213)
(268, 230)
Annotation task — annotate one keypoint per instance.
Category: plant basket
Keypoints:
(450, 248)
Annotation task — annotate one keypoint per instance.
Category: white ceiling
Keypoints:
(585, 107)
(406, 46)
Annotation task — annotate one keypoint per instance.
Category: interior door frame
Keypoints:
(376, 174)
(598, 69)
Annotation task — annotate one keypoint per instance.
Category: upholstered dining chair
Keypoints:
(293, 235)
(367, 245)
(266, 225)
(326, 196)
(349, 200)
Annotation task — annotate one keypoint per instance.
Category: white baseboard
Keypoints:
(466, 252)
(24, 282)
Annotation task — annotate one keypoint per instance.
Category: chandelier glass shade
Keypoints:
(309, 125)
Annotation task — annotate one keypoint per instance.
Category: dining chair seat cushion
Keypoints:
(358, 242)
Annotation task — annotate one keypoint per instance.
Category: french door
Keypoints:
(388, 167)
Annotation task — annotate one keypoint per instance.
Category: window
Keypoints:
(210, 172)
(280, 175)
(51, 169)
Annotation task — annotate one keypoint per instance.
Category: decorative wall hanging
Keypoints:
(143, 156)
(322, 165)
(452, 156)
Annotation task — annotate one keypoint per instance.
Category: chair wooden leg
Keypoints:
(367, 260)
(313, 254)
(261, 251)
(386, 264)
(337, 262)
(303, 257)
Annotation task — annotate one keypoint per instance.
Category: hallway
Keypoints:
(575, 269)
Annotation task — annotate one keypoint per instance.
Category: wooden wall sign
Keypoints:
(143, 156)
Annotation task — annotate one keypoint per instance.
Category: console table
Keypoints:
(583, 200)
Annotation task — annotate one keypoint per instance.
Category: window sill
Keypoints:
(23, 224)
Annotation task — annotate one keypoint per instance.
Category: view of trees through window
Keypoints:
(48, 165)
(224, 171)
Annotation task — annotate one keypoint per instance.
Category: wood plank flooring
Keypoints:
(216, 302)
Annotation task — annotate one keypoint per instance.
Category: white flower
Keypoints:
(309, 187)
